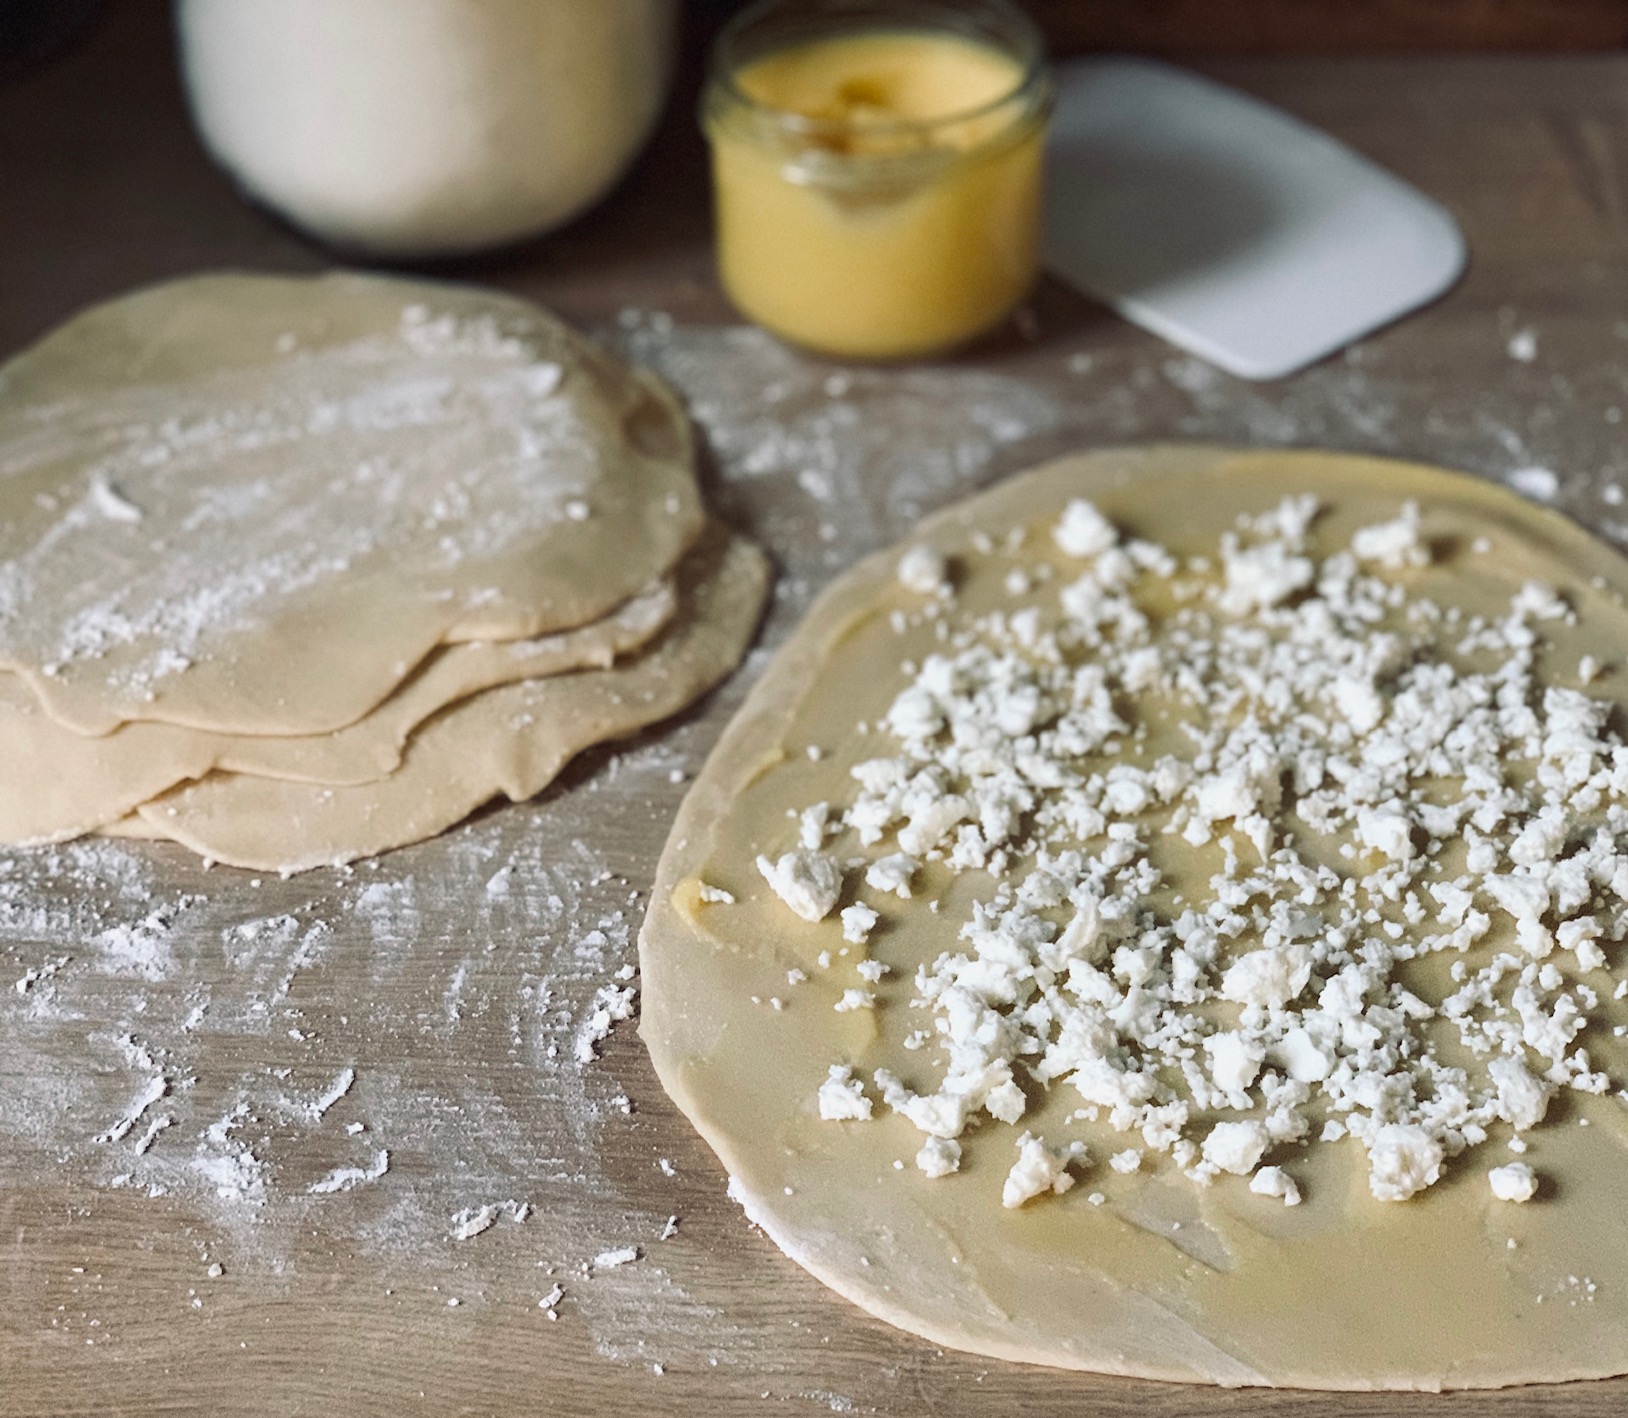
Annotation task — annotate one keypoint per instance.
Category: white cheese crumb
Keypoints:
(1403, 1158)
(812, 826)
(1039, 1168)
(1262, 576)
(858, 921)
(855, 999)
(715, 895)
(1236, 1146)
(1127, 1161)
(1274, 1181)
(923, 570)
(892, 873)
(1514, 1181)
(1235, 1060)
(939, 1156)
(1268, 978)
(1083, 531)
(1539, 601)
(842, 1096)
(808, 882)
(1394, 544)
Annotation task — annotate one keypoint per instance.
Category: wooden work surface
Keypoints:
(423, 1014)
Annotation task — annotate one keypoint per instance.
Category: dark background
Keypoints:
(31, 31)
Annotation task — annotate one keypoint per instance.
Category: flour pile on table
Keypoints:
(296, 570)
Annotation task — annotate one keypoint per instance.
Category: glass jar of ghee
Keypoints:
(877, 169)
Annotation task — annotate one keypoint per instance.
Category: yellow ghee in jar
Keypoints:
(878, 193)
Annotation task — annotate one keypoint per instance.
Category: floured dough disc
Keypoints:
(1380, 979)
(252, 504)
(510, 741)
(134, 828)
(59, 784)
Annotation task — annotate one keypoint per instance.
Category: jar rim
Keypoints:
(993, 22)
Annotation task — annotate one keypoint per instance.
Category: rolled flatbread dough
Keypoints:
(253, 504)
(133, 828)
(510, 741)
(59, 784)
(1142, 1272)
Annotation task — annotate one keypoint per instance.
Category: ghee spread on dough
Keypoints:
(1166, 921)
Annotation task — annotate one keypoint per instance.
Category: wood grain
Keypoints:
(443, 1000)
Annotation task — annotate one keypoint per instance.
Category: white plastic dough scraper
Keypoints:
(1228, 227)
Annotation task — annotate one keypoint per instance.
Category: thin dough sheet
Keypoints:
(60, 784)
(254, 504)
(1136, 1270)
(510, 741)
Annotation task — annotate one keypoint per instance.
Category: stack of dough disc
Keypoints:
(296, 570)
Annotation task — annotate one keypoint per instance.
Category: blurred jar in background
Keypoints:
(414, 128)
(876, 169)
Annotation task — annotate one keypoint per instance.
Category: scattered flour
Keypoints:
(213, 984)
(342, 1179)
(1540, 484)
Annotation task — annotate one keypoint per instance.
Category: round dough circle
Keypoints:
(252, 504)
(61, 784)
(509, 741)
(1165, 1280)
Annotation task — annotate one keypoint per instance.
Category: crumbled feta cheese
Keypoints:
(892, 873)
(939, 1156)
(1317, 694)
(1394, 544)
(1235, 1060)
(1236, 1147)
(812, 825)
(1274, 1181)
(715, 895)
(1262, 576)
(1039, 1169)
(1387, 831)
(1539, 601)
(1514, 1181)
(1129, 1160)
(1083, 531)
(1267, 978)
(858, 921)
(923, 570)
(1403, 1158)
(855, 999)
(808, 882)
(842, 1096)
(1522, 1098)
